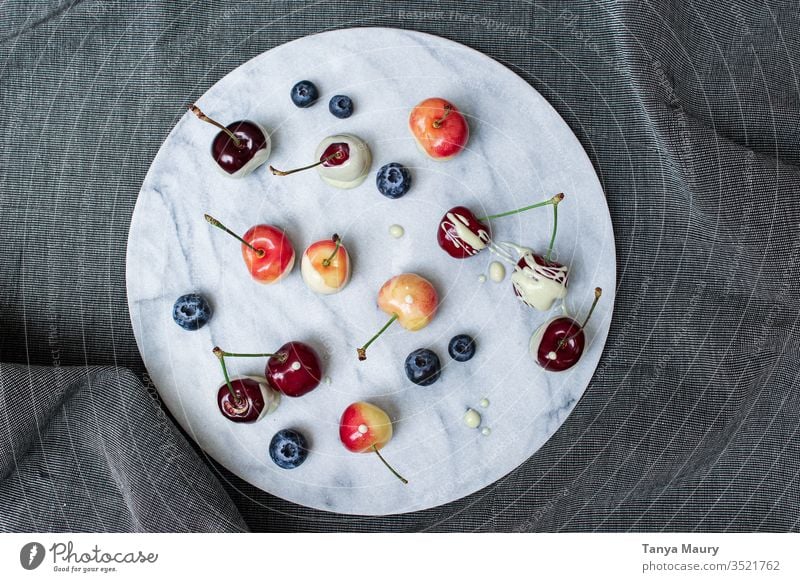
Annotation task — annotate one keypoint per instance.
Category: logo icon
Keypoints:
(31, 555)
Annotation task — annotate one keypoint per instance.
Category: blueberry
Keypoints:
(393, 180)
(288, 449)
(304, 93)
(423, 367)
(341, 106)
(461, 348)
(191, 311)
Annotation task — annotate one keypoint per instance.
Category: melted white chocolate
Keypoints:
(352, 172)
(315, 281)
(539, 285)
(465, 239)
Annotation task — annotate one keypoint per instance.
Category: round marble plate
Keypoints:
(520, 151)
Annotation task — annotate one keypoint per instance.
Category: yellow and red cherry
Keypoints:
(325, 266)
(267, 251)
(410, 300)
(462, 235)
(365, 428)
(343, 161)
(558, 344)
(238, 148)
(439, 128)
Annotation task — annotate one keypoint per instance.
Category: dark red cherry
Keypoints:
(248, 404)
(294, 370)
(336, 154)
(561, 344)
(231, 157)
(454, 243)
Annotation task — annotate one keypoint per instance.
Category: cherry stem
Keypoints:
(597, 293)
(362, 351)
(338, 241)
(437, 123)
(554, 201)
(232, 355)
(214, 222)
(221, 356)
(555, 228)
(396, 474)
(277, 172)
(196, 110)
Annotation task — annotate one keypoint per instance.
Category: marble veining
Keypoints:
(520, 151)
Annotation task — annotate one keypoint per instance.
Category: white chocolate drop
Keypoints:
(481, 278)
(486, 431)
(396, 231)
(484, 403)
(497, 271)
(472, 419)
(363, 428)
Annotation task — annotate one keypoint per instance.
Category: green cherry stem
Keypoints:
(396, 474)
(554, 201)
(214, 222)
(278, 172)
(362, 351)
(202, 116)
(222, 354)
(338, 241)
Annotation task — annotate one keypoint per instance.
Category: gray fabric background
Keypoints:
(689, 112)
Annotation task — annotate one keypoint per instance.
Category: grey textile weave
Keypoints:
(689, 112)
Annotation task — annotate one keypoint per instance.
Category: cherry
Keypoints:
(266, 250)
(240, 147)
(558, 344)
(293, 370)
(461, 234)
(334, 155)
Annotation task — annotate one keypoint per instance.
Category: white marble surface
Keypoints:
(520, 151)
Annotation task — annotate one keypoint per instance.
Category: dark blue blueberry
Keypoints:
(341, 106)
(461, 348)
(191, 311)
(288, 449)
(304, 94)
(393, 180)
(423, 367)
